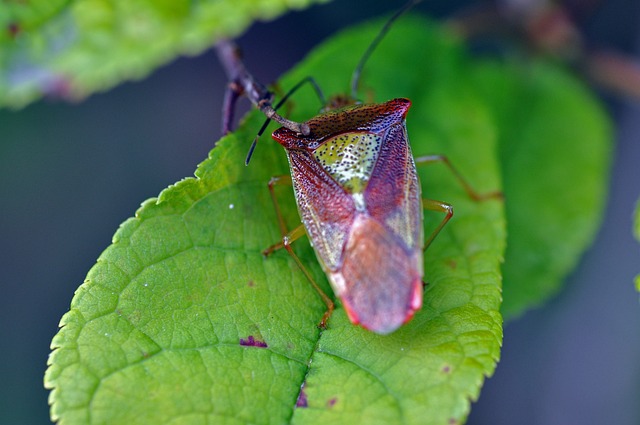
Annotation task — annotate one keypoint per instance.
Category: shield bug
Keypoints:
(359, 198)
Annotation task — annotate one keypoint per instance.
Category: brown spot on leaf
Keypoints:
(13, 29)
(252, 342)
(302, 399)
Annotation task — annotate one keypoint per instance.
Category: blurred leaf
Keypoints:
(555, 146)
(71, 49)
(182, 321)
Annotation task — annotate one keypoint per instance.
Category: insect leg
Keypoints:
(288, 238)
(231, 95)
(443, 207)
(279, 180)
(430, 159)
(286, 241)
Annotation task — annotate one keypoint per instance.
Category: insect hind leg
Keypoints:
(443, 207)
(471, 192)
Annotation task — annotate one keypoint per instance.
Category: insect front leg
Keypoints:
(288, 238)
(231, 95)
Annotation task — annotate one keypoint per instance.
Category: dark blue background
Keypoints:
(71, 173)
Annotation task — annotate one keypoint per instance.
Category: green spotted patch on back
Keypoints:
(349, 158)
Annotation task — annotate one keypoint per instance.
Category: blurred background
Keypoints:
(71, 173)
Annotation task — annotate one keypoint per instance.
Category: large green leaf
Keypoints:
(555, 147)
(183, 321)
(71, 49)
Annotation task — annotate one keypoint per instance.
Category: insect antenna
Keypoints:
(291, 91)
(355, 78)
(243, 83)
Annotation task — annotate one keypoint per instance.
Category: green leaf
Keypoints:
(154, 334)
(72, 49)
(555, 148)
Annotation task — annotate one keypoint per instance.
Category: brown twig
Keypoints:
(549, 29)
(242, 82)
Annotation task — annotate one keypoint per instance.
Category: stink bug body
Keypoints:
(358, 195)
